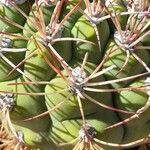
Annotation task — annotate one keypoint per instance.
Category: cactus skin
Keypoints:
(27, 106)
(146, 40)
(70, 108)
(124, 100)
(14, 57)
(37, 88)
(118, 57)
(67, 119)
(36, 67)
(70, 22)
(80, 31)
(29, 24)
(11, 14)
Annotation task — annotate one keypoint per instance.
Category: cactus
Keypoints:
(74, 74)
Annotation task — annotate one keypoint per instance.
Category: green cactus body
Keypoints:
(25, 107)
(117, 58)
(68, 130)
(70, 22)
(30, 26)
(38, 89)
(132, 101)
(24, 103)
(114, 135)
(84, 30)
(146, 40)
(34, 138)
(13, 57)
(67, 118)
(11, 14)
(36, 67)
(70, 108)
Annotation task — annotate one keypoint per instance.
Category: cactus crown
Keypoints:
(123, 42)
(87, 133)
(7, 101)
(76, 80)
(5, 42)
